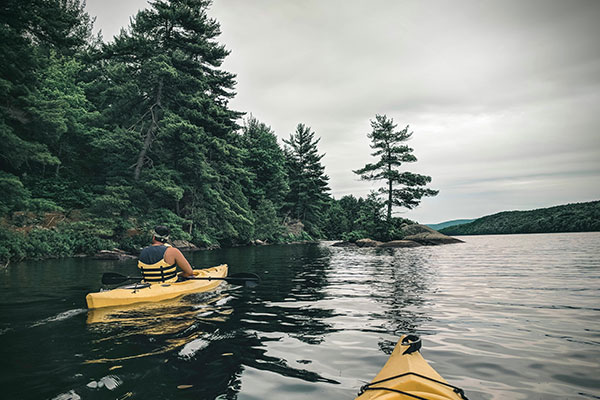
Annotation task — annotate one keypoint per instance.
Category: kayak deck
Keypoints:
(142, 292)
(406, 375)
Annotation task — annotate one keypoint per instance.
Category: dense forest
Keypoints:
(100, 141)
(579, 217)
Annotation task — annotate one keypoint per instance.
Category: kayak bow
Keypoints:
(406, 375)
(145, 292)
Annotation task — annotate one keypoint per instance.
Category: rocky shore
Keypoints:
(414, 236)
(118, 254)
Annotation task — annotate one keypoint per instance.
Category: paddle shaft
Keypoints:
(114, 278)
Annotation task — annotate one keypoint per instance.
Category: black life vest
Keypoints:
(153, 266)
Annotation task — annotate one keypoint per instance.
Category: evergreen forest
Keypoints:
(578, 217)
(102, 140)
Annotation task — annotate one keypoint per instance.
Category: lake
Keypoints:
(503, 317)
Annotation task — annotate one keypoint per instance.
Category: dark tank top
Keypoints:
(153, 254)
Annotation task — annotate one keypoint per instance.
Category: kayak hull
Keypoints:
(408, 373)
(143, 293)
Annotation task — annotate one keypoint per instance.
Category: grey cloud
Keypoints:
(502, 95)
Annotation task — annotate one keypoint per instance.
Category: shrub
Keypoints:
(12, 245)
(354, 236)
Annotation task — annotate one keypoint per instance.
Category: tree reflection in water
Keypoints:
(212, 337)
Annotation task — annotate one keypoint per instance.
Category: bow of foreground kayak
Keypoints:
(144, 292)
(406, 375)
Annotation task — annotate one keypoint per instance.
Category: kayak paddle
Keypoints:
(243, 278)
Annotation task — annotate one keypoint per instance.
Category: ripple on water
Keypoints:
(504, 317)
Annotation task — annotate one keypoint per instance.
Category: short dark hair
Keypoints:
(161, 233)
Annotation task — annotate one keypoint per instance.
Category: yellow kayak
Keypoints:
(406, 375)
(146, 292)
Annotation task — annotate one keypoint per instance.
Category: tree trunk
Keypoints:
(389, 210)
(389, 213)
(151, 133)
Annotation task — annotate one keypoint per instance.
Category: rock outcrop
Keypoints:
(426, 236)
(294, 227)
(114, 254)
(184, 245)
(367, 243)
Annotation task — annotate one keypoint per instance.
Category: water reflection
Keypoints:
(502, 317)
(226, 331)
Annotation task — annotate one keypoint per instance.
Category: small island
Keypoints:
(414, 235)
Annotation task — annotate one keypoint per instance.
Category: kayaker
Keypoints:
(158, 262)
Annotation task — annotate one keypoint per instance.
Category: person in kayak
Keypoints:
(158, 262)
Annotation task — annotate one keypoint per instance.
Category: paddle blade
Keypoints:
(247, 279)
(112, 278)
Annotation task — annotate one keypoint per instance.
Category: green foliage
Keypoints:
(12, 245)
(291, 238)
(265, 160)
(266, 224)
(37, 42)
(88, 237)
(14, 193)
(67, 193)
(114, 203)
(353, 236)
(308, 199)
(43, 205)
(402, 189)
(99, 142)
(578, 217)
(202, 240)
(40, 243)
(351, 219)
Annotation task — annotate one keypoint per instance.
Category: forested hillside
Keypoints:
(579, 217)
(101, 140)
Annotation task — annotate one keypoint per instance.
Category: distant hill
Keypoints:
(578, 217)
(446, 224)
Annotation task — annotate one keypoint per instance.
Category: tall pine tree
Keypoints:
(265, 160)
(42, 106)
(308, 198)
(403, 189)
(167, 129)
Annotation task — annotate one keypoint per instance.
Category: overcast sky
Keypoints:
(503, 97)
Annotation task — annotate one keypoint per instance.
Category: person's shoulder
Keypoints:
(172, 249)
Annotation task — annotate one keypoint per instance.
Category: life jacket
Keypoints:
(153, 266)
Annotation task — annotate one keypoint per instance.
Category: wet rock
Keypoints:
(114, 254)
(294, 227)
(344, 244)
(184, 245)
(367, 243)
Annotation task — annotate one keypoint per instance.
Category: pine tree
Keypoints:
(42, 107)
(265, 160)
(308, 198)
(392, 153)
(166, 125)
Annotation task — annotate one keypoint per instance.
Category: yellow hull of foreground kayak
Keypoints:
(157, 291)
(416, 386)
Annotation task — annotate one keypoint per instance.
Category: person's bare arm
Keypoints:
(174, 256)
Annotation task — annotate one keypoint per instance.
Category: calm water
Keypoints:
(504, 317)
